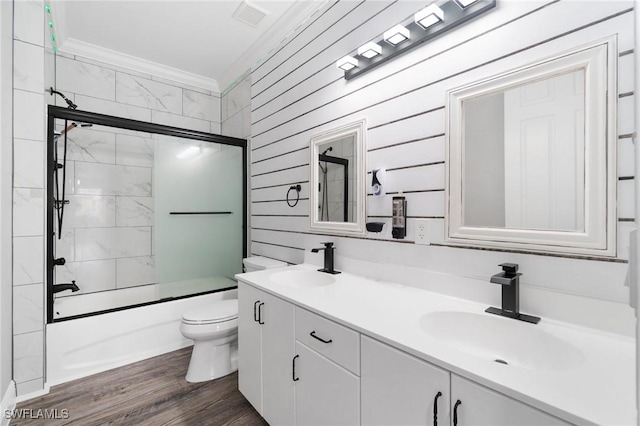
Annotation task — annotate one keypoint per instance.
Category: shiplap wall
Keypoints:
(298, 92)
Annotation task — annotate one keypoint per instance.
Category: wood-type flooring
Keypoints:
(149, 392)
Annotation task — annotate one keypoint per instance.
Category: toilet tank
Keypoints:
(258, 263)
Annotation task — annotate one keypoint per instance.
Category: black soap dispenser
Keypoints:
(399, 218)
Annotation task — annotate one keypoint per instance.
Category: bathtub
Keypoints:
(83, 346)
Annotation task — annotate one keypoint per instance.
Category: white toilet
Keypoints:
(214, 330)
(258, 263)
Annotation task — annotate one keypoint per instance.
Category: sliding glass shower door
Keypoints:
(139, 216)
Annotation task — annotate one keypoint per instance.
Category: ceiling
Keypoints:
(198, 42)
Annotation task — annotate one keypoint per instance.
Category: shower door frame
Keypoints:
(55, 112)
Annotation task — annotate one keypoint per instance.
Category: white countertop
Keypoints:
(599, 390)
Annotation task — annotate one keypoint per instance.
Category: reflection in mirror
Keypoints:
(336, 180)
(524, 147)
(531, 156)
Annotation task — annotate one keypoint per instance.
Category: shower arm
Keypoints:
(70, 104)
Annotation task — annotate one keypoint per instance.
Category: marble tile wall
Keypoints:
(236, 122)
(28, 196)
(236, 109)
(107, 234)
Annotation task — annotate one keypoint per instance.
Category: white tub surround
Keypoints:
(594, 386)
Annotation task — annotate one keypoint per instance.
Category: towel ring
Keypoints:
(297, 188)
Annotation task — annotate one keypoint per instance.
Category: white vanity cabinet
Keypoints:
(327, 369)
(399, 389)
(300, 368)
(482, 406)
(265, 353)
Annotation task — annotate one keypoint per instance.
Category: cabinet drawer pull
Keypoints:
(255, 312)
(260, 313)
(435, 409)
(313, 334)
(455, 413)
(293, 373)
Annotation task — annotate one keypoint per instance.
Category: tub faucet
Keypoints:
(57, 288)
(328, 258)
(509, 278)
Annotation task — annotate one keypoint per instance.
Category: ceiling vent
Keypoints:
(249, 13)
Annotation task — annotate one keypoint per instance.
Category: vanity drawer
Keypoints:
(338, 343)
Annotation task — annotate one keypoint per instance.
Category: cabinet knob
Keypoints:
(455, 413)
(435, 409)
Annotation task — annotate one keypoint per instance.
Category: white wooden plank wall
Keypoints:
(298, 92)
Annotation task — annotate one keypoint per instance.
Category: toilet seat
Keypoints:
(221, 311)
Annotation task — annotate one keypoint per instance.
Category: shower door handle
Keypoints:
(260, 313)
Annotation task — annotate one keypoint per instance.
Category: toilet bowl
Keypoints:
(214, 330)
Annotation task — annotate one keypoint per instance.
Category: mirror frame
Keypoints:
(598, 59)
(358, 130)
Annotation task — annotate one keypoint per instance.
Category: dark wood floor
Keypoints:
(150, 392)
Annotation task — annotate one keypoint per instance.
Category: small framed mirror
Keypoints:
(531, 156)
(337, 180)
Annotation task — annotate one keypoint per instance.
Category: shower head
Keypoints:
(70, 127)
(327, 150)
(67, 100)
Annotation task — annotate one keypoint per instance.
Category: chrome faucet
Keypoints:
(57, 288)
(509, 278)
(328, 258)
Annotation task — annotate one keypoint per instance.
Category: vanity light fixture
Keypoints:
(347, 63)
(431, 21)
(465, 3)
(396, 35)
(369, 50)
(429, 16)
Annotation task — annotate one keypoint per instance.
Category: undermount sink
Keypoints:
(303, 279)
(501, 340)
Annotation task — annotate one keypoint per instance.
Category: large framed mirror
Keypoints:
(531, 156)
(337, 169)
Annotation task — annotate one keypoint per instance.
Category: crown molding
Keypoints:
(288, 24)
(113, 57)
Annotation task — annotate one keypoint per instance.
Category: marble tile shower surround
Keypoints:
(28, 195)
(109, 217)
(95, 154)
(109, 222)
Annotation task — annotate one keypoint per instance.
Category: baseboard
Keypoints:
(8, 403)
(34, 394)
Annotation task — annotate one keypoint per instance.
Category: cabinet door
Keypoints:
(325, 393)
(249, 345)
(277, 355)
(482, 406)
(399, 389)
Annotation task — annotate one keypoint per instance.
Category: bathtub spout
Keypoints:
(62, 287)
